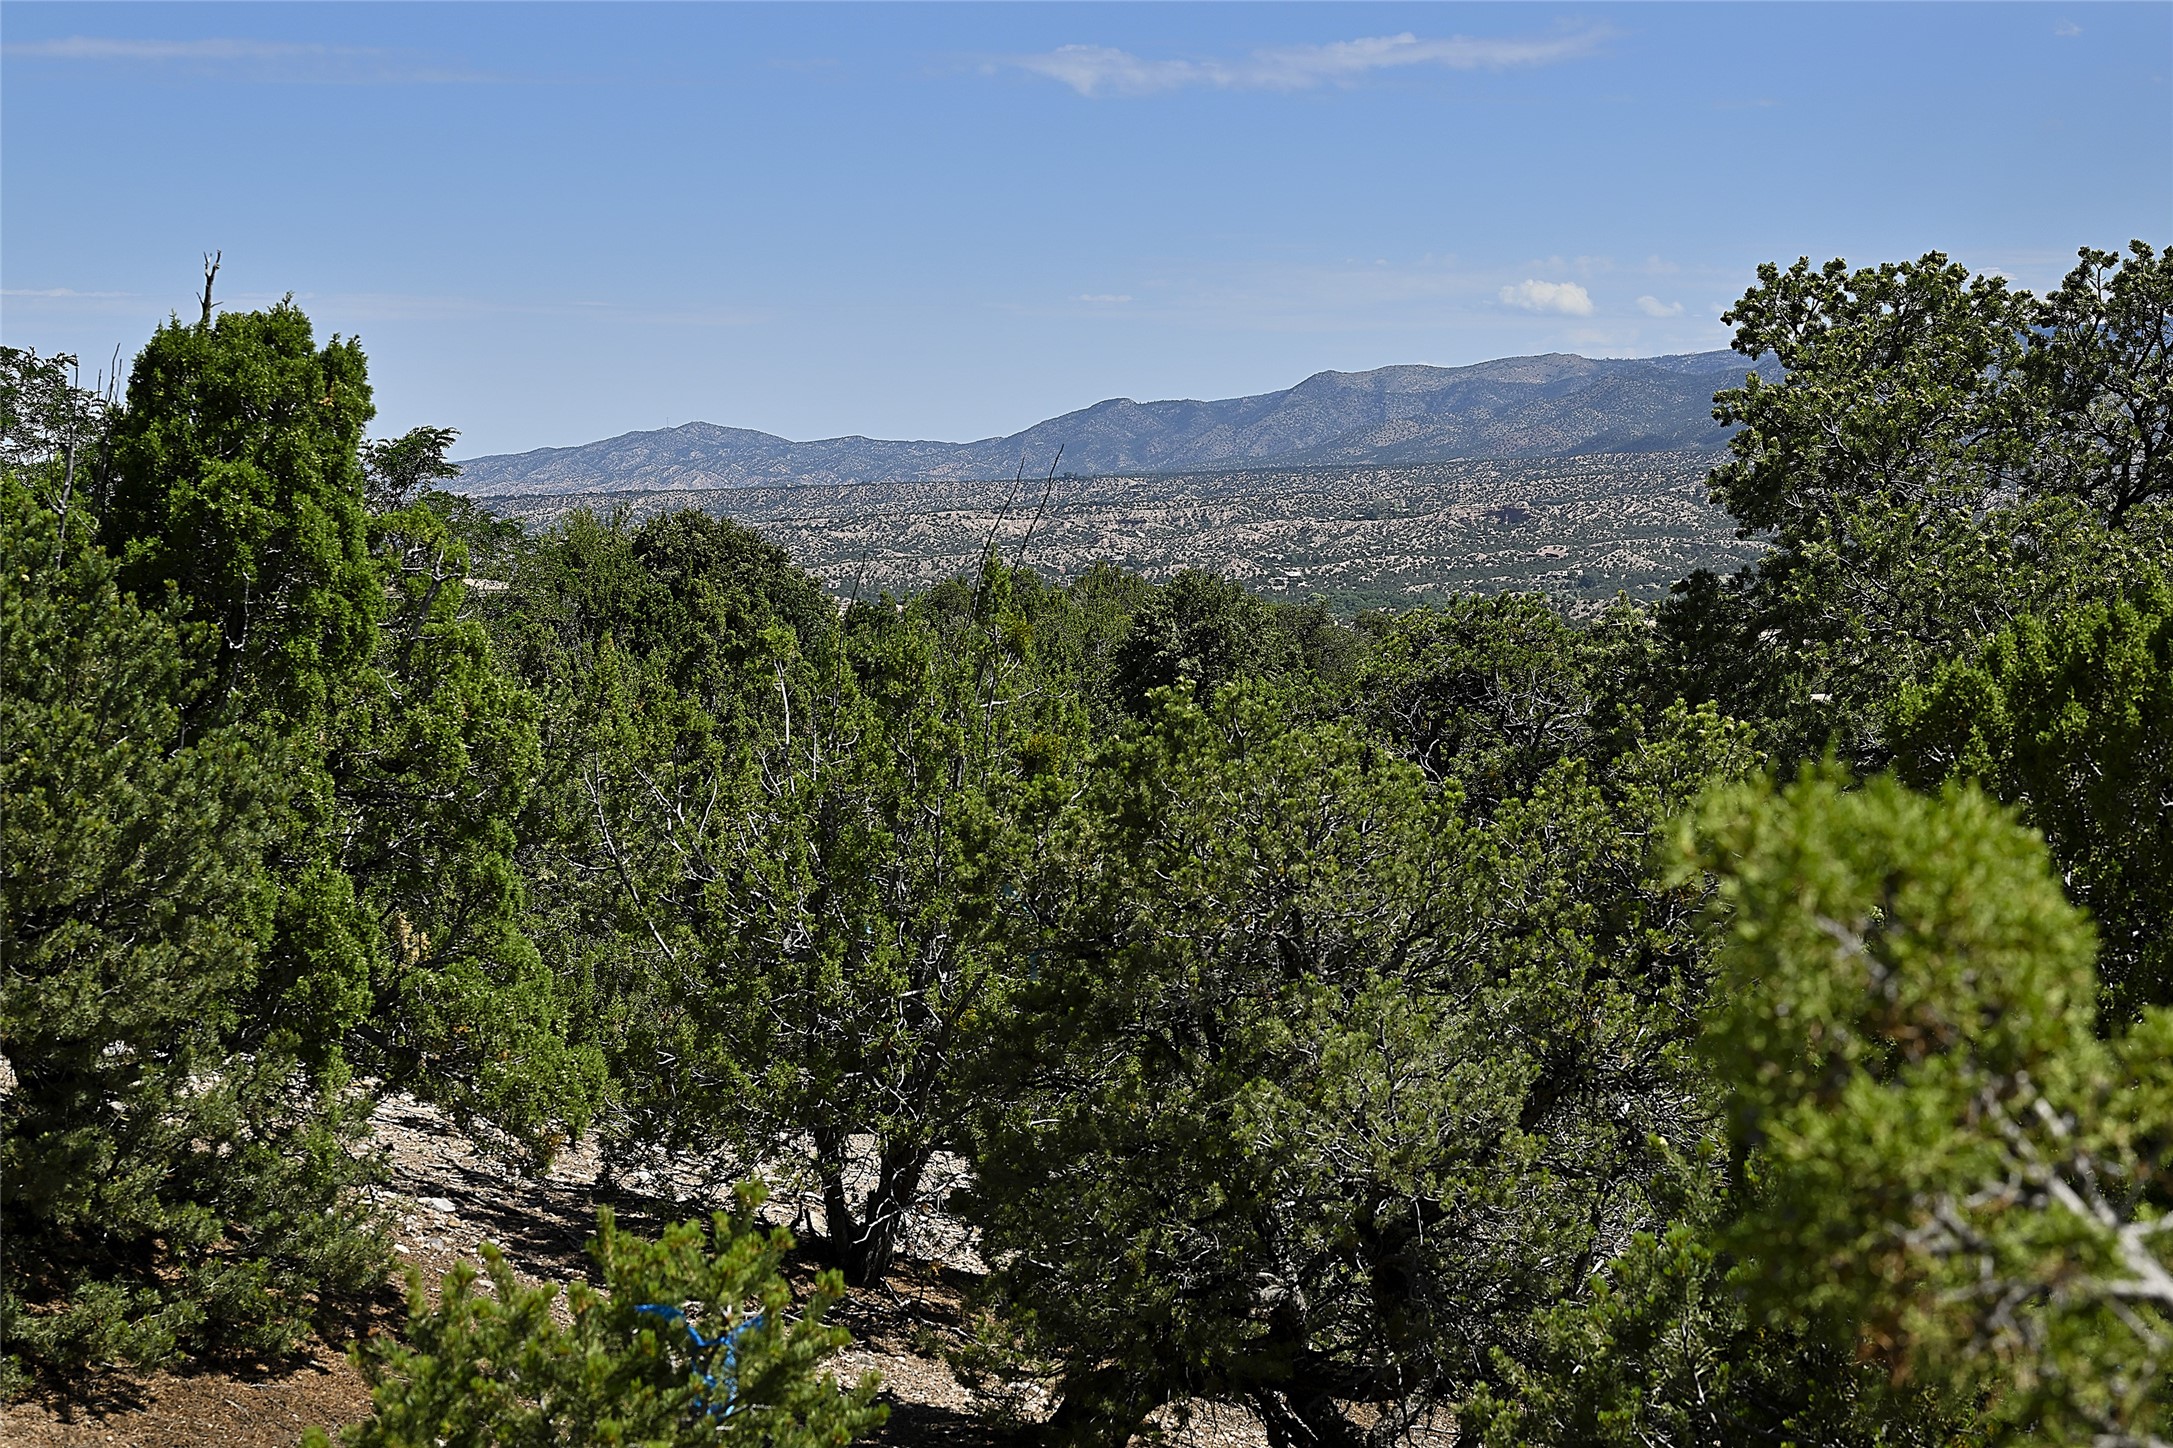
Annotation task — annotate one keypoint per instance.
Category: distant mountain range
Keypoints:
(1557, 405)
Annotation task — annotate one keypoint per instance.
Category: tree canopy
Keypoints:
(1740, 1018)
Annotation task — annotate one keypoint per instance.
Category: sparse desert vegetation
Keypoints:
(1578, 528)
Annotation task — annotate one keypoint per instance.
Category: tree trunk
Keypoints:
(838, 1227)
(1095, 1409)
(1306, 1419)
(871, 1250)
(863, 1244)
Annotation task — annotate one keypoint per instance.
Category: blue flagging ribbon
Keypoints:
(705, 1356)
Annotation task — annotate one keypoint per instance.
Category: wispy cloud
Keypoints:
(100, 47)
(1104, 299)
(2067, 30)
(1567, 298)
(340, 310)
(349, 308)
(60, 294)
(251, 59)
(1654, 307)
(1101, 70)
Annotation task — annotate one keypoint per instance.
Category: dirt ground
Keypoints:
(445, 1198)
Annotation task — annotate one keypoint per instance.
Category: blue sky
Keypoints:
(556, 223)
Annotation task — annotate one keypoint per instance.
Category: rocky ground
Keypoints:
(445, 1198)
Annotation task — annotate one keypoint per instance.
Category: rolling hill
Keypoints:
(1557, 405)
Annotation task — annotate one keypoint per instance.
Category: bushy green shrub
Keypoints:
(1323, 1088)
(2069, 717)
(693, 1339)
(1945, 1168)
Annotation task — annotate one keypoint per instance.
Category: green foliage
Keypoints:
(494, 544)
(260, 777)
(1198, 631)
(429, 762)
(1324, 1088)
(711, 565)
(398, 468)
(691, 594)
(2102, 357)
(1664, 1353)
(1893, 390)
(165, 1192)
(786, 840)
(233, 477)
(864, 961)
(1941, 454)
(2071, 719)
(49, 426)
(511, 1368)
(1947, 1169)
(236, 486)
(711, 611)
(1489, 692)
(1073, 634)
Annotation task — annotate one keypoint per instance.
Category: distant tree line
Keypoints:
(1743, 1019)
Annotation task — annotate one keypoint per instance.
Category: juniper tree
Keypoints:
(1321, 1088)
(2101, 358)
(166, 1191)
(236, 487)
(1946, 1169)
(800, 834)
(1490, 692)
(2070, 718)
(1941, 453)
(234, 477)
(1198, 631)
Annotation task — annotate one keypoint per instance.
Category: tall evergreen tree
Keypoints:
(233, 476)
(165, 1191)
(234, 484)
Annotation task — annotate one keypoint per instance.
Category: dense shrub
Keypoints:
(692, 1339)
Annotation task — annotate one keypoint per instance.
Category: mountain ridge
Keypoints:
(1553, 404)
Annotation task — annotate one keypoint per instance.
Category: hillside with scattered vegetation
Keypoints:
(1558, 405)
(1740, 1014)
(1579, 529)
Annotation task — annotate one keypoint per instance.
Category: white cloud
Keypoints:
(60, 294)
(2067, 29)
(1101, 70)
(1568, 298)
(1103, 298)
(1654, 307)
